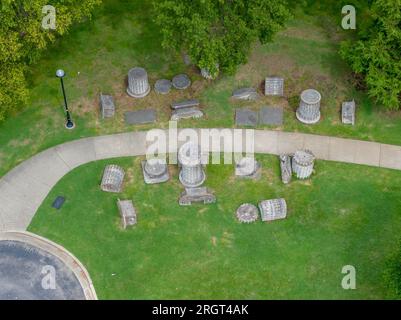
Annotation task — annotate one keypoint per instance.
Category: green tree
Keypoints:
(22, 39)
(377, 53)
(219, 32)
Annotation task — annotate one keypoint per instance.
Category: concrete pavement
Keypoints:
(23, 189)
(23, 257)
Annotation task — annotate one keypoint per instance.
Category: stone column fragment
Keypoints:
(302, 163)
(138, 84)
(189, 158)
(309, 108)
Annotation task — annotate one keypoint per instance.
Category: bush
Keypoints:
(219, 34)
(377, 52)
(22, 39)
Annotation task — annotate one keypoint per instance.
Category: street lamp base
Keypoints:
(70, 125)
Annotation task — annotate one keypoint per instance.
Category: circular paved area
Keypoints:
(26, 273)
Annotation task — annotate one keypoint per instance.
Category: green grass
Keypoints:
(346, 214)
(97, 55)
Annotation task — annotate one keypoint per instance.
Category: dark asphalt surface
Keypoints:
(21, 277)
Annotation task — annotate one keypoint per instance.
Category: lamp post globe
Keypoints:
(69, 123)
(60, 73)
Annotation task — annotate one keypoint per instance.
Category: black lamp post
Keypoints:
(69, 124)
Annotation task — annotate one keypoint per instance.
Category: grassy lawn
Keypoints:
(346, 214)
(98, 54)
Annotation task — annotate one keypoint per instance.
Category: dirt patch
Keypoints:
(87, 105)
(261, 65)
(15, 143)
(227, 239)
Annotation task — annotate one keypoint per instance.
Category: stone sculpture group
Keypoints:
(300, 163)
(192, 175)
(185, 109)
(270, 210)
(308, 111)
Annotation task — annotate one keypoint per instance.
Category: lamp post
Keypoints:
(69, 124)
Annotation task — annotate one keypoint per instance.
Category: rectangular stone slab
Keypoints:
(271, 116)
(186, 113)
(140, 116)
(245, 94)
(245, 117)
(185, 104)
(107, 106)
(58, 202)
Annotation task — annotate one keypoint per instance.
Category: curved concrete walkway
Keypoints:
(23, 189)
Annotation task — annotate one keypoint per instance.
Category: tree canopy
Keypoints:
(218, 34)
(22, 39)
(377, 52)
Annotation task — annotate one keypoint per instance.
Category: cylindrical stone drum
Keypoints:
(189, 157)
(155, 167)
(138, 84)
(309, 108)
(302, 163)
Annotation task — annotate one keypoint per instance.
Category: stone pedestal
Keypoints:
(155, 171)
(248, 167)
(138, 84)
(127, 212)
(309, 108)
(189, 158)
(348, 112)
(107, 107)
(302, 163)
(199, 194)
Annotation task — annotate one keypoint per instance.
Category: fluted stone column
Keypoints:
(309, 108)
(189, 157)
(302, 163)
(138, 84)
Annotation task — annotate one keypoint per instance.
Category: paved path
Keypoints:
(23, 189)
